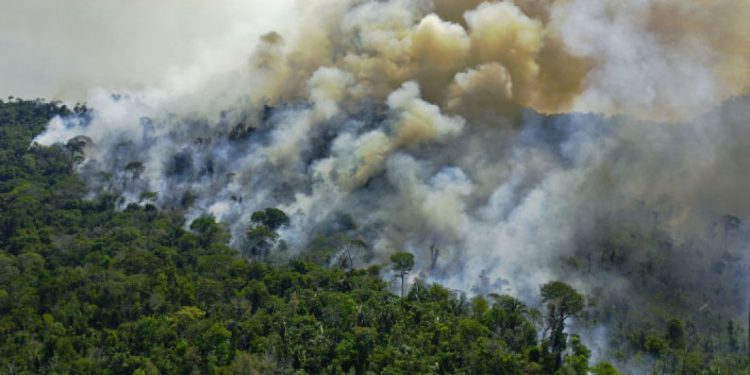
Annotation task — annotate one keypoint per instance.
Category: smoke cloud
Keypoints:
(462, 125)
(658, 59)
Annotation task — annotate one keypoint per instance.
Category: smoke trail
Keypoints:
(429, 123)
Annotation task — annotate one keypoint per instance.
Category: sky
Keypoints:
(62, 49)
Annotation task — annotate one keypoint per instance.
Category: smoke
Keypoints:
(658, 59)
(461, 125)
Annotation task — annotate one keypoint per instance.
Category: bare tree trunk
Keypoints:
(434, 254)
(402, 285)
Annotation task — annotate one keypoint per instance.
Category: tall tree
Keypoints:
(403, 262)
(562, 303)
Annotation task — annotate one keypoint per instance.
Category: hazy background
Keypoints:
(61, 49)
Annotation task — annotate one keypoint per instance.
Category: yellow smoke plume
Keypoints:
(658, 59)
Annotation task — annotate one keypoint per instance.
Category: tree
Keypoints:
(273, 218)
(510, 320)
(562, 303)
(262, 236)
(578, 361)
(209, 231)
(434, 254)
(261, 240)
(605, 368)
(733, 344)
(403, 262)
(135, 169)
(676, 334)
(350, 251)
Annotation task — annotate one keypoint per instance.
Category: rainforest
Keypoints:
(375, 187)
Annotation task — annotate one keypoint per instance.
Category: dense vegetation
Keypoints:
(86, 288)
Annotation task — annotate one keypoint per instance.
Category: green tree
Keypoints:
(578, 361)
(261, 236)
(605, 368)
(272, 218)
(209, 231)
(261, 240)
(511, 320)
(562, 303)
(403, 262)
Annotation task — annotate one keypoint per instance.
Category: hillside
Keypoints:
(88, 288)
